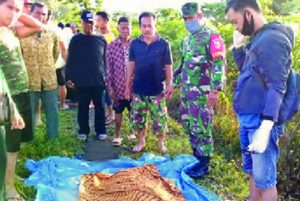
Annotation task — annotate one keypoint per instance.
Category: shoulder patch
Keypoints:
(217, 47)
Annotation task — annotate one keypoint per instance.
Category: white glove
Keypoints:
(261, 137)
(238, 39)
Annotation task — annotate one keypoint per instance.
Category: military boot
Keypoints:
(201, 168)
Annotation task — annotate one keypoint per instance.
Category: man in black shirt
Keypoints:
(85, 70)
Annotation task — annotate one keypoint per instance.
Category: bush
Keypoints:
(289, 162)
(226, 179)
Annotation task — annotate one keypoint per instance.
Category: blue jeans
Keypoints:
(50, 107)
(261, 166)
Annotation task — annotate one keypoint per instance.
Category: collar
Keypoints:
(156, 38)
(119, 40)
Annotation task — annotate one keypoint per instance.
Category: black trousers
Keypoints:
(14, 137)
(85, 96)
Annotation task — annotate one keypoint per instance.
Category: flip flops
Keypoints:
(109, 120)
(82, 137)
(163, 149)
(16, 197)
(131, 137)
(138, 148)
(117, 142)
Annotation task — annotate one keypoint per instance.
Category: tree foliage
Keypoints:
(69, 10)
(285, 7)
(167, 14)
(171, 26)
(214, 12)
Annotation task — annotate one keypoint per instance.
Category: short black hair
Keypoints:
(68, 25)
(145, 14)
(61, 25)
(238, 5)
(103, 14)
(123, 19)
(39, 5)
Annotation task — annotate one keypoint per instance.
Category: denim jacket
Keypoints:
(264, 66)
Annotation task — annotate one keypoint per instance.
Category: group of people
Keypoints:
(137, 74)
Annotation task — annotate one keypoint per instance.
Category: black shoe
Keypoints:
(196, 174)
(199, 169)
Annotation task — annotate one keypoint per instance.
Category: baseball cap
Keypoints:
(27, 2)
(189, 9)
(87, 16)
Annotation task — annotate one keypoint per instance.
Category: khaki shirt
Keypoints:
(40, 52)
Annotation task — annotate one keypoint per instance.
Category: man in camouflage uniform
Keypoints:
(14, 71)
(200, 77)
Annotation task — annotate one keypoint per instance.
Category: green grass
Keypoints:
(226, 178)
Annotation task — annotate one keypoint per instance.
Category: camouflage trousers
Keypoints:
(197, 120)
(156, 105)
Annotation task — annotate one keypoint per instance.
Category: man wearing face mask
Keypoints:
(264, 64)
(201, 76)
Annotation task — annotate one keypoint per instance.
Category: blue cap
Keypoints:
(87, 16)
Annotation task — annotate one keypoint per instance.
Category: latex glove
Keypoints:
(238, 39)
(261, 137)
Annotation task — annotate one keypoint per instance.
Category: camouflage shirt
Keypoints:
(40, 52)
(202, 64)
(11, 62)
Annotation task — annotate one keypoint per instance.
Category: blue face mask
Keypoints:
(192, 26)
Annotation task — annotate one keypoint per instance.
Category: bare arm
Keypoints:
(29, 26)
(129, 75)
(63, 50)
(130, 71)
(168, 74)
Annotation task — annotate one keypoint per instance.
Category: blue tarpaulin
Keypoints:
(58, 178)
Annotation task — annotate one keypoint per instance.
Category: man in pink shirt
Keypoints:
(117, 64)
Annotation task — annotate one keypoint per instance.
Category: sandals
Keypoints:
(138, 148)
(82, 137)
(16, 197)
(117, 142)
(109, 120)
(163, 149)
(131, 137)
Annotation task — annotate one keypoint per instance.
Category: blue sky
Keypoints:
(137, 6)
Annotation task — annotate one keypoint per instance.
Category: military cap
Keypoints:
(190, 9)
